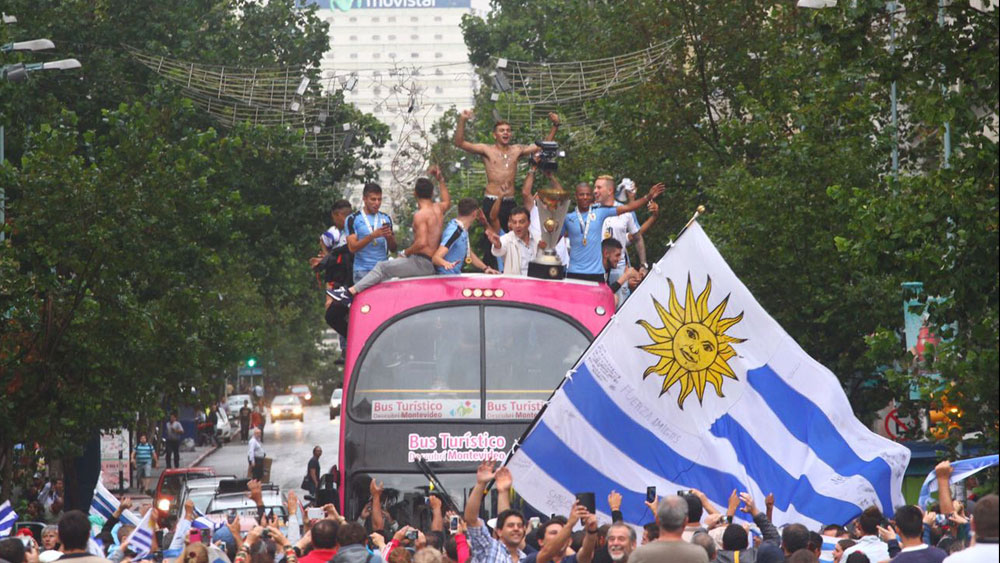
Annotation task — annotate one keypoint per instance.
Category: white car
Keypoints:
(223, 429)
(286, 406)
(335, 400)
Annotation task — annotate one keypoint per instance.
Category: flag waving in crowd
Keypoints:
(104, 504)
(7, 519)
(140, 541)
(692, 385)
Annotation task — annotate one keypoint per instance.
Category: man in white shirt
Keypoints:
(518, 246)
(625, 229)
(256, 455)
(986, 527)
(870, 543)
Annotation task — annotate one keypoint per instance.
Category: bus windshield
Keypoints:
(465, 362)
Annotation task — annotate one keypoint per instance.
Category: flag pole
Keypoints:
(517, 443)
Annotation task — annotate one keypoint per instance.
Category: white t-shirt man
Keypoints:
(876, 549)
(620, 227)
(981, 552)
(516, 253)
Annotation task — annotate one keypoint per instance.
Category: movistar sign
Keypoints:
(347, 5)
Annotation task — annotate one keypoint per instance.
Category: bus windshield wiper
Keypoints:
(425, 468)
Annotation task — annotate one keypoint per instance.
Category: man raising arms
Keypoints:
(415, 260)
(500, 159)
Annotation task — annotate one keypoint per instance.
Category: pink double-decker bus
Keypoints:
(452, 369)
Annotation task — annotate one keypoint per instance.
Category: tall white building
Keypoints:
(406, 63)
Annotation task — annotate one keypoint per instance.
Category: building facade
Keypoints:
(406, 63)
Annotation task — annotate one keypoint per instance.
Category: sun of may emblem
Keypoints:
(692, 343)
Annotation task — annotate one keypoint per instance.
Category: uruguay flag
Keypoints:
(7, 519)
(203, 522)
(141, 539)
(693, 385)
(104, 504)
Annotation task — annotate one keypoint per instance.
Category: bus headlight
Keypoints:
(163, 505)
(275, 411)
(297, 410)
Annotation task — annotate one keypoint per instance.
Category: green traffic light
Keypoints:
(251, 362)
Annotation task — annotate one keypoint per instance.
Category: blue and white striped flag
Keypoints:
(140, 540)
(692, 385)
(104, 504)
(203, 522)
(961, 470)
(7, 519)
(829, 545)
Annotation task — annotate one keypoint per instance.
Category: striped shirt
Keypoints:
(144, 454)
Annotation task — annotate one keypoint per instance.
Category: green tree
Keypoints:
(778, 120)
(148, 250)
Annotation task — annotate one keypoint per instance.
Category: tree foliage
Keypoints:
(147, 251)
(778, 120)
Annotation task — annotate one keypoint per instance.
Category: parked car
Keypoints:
(233, 405)
(201, 491)
(335, 400)
(171, 484)
(302, 392)
(286, 406)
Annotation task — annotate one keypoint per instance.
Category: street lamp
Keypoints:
(18, 73)
(33, 45)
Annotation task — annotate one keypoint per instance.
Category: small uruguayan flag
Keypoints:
(961, 470)
(104, 504)
(7, 519)
(692, 385)
(203, 522)
(140, 540)
(829, 544)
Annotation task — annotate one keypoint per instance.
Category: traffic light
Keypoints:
(251, 362)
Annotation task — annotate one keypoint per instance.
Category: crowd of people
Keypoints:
(356, 251)
(687, 529)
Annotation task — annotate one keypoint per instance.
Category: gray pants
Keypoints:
(409, 267)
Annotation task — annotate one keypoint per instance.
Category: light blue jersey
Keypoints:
(456, 238)
(586, 226)
(377, 250)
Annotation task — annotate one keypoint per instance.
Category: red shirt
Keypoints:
(318, 556)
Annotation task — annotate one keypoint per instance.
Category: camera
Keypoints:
(411, 535)
(547, 155)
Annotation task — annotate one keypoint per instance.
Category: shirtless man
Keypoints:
(500, 159)
(414, 261)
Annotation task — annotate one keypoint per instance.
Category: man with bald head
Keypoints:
(255, 455)
(672, 516)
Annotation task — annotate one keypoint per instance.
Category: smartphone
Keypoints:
(587, 501)
(231, 517)
(683, 492)
(28, 541)
(453, 524)
(314, 513)
(650, 494)
(157, 556)
(194, 536)
(222, 546)
(411, 535)
(535, 522)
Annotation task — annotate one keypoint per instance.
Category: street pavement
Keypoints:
(289, 444)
